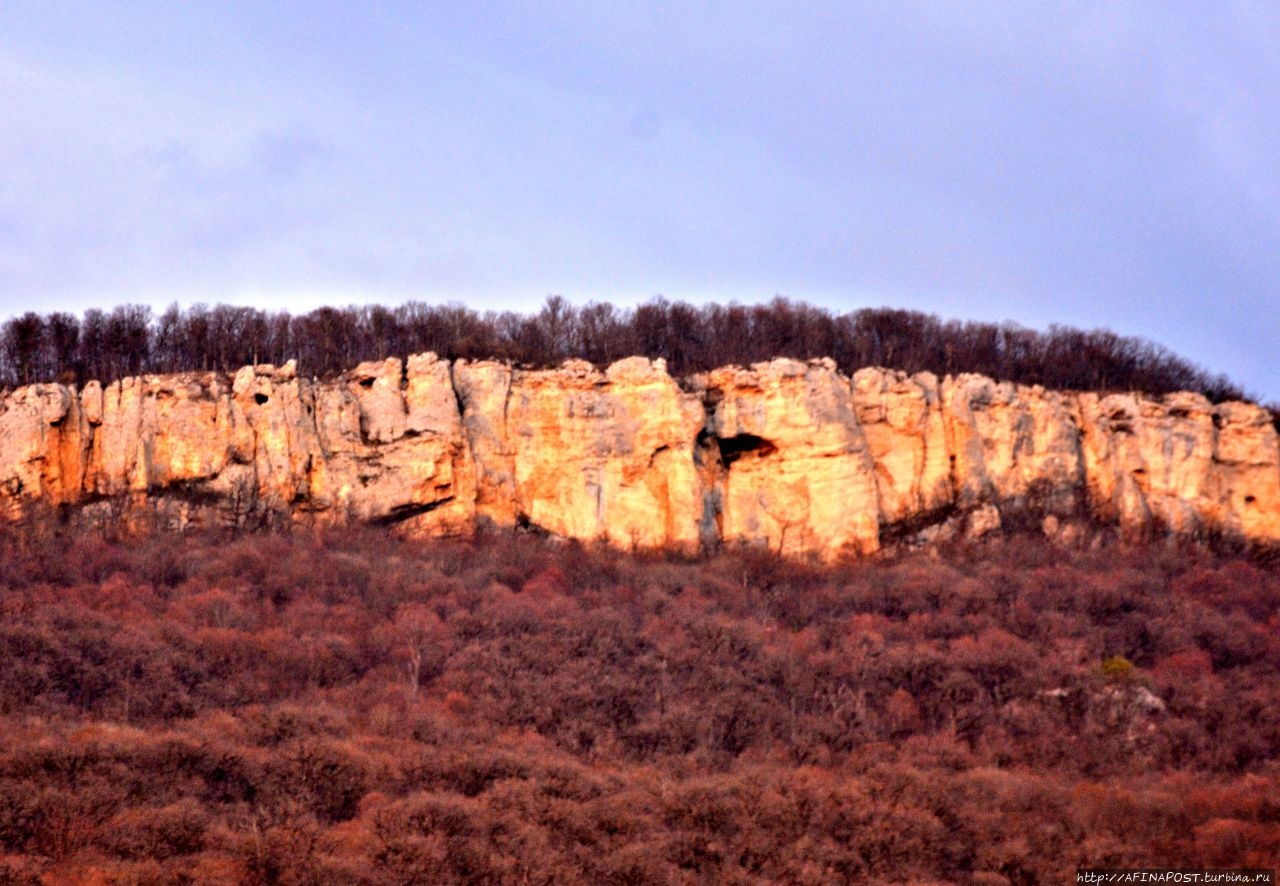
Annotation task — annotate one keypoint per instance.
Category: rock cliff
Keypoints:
(789, 455)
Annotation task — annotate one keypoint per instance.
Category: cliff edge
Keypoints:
(790, 455)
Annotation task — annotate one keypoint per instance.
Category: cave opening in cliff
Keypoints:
(739, 445)
(261, 399)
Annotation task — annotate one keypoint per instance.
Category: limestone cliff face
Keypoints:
(1183, 464)
(1015, 450)
(906, 431)
(789, 455)
(583, 453)
(796, 470)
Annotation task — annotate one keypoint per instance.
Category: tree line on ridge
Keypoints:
(132, 340)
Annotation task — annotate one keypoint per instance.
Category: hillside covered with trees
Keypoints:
(130, 340)
(352, 708)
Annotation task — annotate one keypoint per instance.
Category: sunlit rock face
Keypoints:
(1247, 465)
(381, 444)
(41, 433)
(586, 454)
(903, 422)
(1013, 446)
(483, 390)
(798, 475)
(389, 448)
(792, 456)
(1183, 465)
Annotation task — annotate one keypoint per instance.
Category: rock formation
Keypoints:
(795, 472)
(789, 455)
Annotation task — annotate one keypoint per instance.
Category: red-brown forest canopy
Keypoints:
(353, 708)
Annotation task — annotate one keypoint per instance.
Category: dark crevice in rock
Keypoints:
(711, 469)
(408, 512)
(193, 492)
(739, 445)
(524, 524)
(653, 456)
(904, 530)
(86, 457)
(457, 398)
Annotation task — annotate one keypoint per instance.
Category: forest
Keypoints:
(350, 707)
(130, 340)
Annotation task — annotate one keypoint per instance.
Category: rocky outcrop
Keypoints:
(1182, 464)
(1015, 452)
(795, 472)
(789, 455)
(583, 453)
(906, 431)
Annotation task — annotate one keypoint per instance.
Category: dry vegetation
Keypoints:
(357, 709)
(130, 341)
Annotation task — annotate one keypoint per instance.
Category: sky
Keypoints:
(1101, 165)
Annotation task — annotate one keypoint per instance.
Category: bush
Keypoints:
(582, 717)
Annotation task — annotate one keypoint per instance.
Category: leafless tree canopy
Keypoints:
(353, 708)
(131, 340)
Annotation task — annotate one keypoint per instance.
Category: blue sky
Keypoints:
(1094, 164)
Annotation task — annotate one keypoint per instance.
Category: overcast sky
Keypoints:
(1094, 164)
